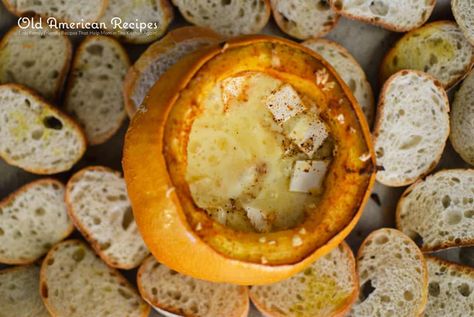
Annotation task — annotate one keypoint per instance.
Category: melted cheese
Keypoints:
(241, 159)
(308, 176)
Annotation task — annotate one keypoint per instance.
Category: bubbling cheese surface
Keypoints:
(241, 155)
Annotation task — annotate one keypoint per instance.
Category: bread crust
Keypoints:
(341, 312)
(241, 312)
(80, 226)
(453, 265)
(9, 6)
(371, 105)
(421, 308)
(59, 113)
(377, 22)
(392, 51)
(444, 245)
(153, 52)
(15, 268)
(5, 201)
(62, 75)
(280, 22)
(43, 283)
(378, 124)
(80, 50)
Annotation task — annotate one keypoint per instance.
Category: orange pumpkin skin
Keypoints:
(162, 204)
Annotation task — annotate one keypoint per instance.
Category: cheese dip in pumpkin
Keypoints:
(248, 161)
(257, 153)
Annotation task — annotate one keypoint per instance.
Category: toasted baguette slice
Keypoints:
(439, 211)
(19, 295)
(462, 120)
(463, 12)
(75, 11)
(32, 219)
(226, 17)
(174, 293)
(398, 16)
(450, 289)
(304, 19)
(159, 57)
(74, 282)
(438, 48)
(158, 14)
(35, 136)
(327, 288)
(36, 60)
(97, 202)
(94, 93)
(411, 128)
(350, 71)
(393, 276)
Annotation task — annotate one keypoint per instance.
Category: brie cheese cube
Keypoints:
(231, 88)
(308, 133)
(308, 176)
(257, 219)
(284, 103)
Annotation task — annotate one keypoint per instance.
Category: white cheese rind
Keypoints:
(284, 103)
(257, 219)
(231, 88)
(308, 176)
(308, 133)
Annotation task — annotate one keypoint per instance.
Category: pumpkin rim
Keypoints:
(205, 262)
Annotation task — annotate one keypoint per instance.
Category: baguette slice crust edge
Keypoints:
(457, 9)
(82, 227)
(103, 137)
(341, 312)
(400, 205)
(242, 310)
(462, 120)
(49, 259)
(378, 126)
(75, 126)
(378, 22)
(32, 306)
(155, 52)
(367, 103)
(326, 26)
(392, 52)
(63, 74)
(10, 7)
(11, 197)
(409, 244)
(464, 290)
